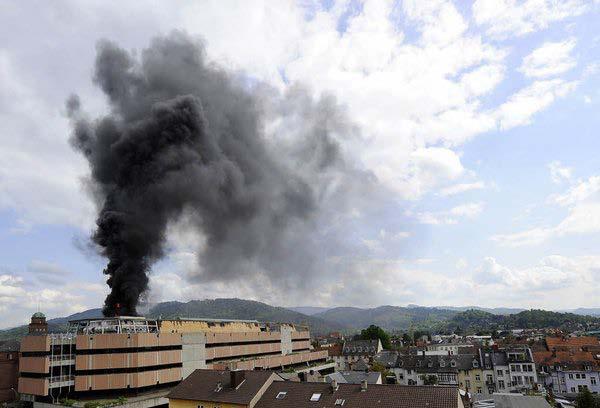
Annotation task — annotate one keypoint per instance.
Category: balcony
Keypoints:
(61, 381)
(62, 360)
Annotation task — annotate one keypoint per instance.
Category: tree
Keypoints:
(585, 399)
(375, 332)
(406, 339)
(430, 380)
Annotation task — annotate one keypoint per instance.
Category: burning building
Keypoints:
(128, 355)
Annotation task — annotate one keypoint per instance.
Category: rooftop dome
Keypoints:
(38, 315)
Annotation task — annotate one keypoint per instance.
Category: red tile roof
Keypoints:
(571, 342)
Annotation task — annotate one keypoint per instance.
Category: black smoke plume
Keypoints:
(185, 137)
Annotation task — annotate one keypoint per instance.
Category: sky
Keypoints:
(479, 120)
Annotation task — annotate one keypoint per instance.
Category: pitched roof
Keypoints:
(571, 342)
(362, 347)
(354, 377)
(201, 385)
(387, 358)
(438, 363)
(568, 359)
(360, 365)
(298, 395)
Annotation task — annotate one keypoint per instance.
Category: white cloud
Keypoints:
(521, 106)
(580, 191)
(22, 300)
(503, 18)
(451, 216)
(550, 273)
(552, 58)
(583, 216)
(559, 173)
(461, 188)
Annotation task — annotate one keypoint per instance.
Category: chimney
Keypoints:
(237, 378)
(363, 385)
(334, 385)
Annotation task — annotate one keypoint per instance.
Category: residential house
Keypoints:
(206, 388)
(569, 365)
(262, 389)
(300, 395)
(354, 350)
(509, 370)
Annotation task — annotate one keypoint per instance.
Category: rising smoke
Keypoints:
(185, 137)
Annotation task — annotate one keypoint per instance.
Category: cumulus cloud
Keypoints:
(552, 58)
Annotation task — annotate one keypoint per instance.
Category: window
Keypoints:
(577, 376)
(501, 384)
(475, 363)
(500, 372)
(468, 383)
(452, 363)
(570, 376)
(477, 377)
(593, 380)
(281, 395)
(315, 397)
(442, 363)
(572, 389)
(489, 378)
(340, 401)
(583, 376)
(479, 390)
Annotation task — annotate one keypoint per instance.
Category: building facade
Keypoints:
(355, 350)
(134, 354)
(569, 365)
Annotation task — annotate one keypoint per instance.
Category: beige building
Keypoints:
(126, 355)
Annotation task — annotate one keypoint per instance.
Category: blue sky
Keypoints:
(479, 121)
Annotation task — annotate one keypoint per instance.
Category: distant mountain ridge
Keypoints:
(387, 317)
(349, 319)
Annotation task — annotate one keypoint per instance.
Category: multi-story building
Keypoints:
(355, 350)
(451, 347)
(9, 365)
(509, 370)
(568, 365)
(131, 354)
(462, 370)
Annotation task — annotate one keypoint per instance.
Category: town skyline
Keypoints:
(478, 136)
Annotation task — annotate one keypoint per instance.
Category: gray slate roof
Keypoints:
(353, 377)
(438, 363)
(360, 347)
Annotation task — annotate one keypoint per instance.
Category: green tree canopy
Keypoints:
(375, 332)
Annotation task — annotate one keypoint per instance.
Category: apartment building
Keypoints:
(355, 350)
(123, 355)
(509, 370)
(568, 365)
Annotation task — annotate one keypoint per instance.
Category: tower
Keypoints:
(38, 324)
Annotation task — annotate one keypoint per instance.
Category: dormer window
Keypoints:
(442, 363)
(475, 363)
(452, 363)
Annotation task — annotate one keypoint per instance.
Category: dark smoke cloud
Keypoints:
(186, 138)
